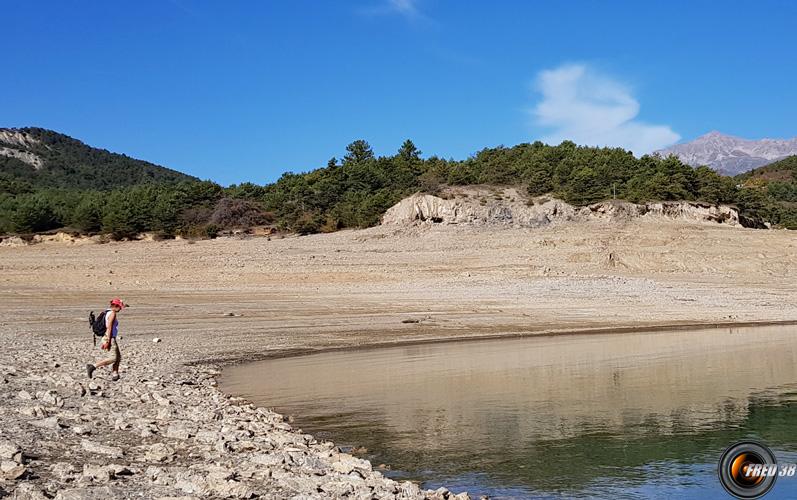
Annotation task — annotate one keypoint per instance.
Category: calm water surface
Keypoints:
(641, 415)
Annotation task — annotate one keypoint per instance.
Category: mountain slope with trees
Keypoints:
(56, 160)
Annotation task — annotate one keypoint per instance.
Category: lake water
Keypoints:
(631, 415)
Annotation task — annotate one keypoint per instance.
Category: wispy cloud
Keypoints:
(408, 9)
(586, 107)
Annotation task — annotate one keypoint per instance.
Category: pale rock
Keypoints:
(101, 449)
(33, 411)
(98, 493)
(439, 494)
(81, 430)
(218, 473)
(192, 484)
(24, 395)
(346, 464)
(426, 208)
(337, 489)
(161, 399)
(48, 423)
(239, 446)
(510, 208)
(63, 471)
(50, 397)
(310, 463)
(97, 473)
(159, 452)
(8, 370)
(10, 450)
(408, 489)
(122, 424)
(179, 430)
(155, 474)
(222, 446)
(12, 471)
(27, 491)
(269, 459)
(208, 437)
(231, 489)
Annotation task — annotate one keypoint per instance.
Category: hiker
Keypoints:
(109, 342)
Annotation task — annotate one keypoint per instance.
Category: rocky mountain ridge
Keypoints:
(731, 155)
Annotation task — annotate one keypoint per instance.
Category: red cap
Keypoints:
(118, 302)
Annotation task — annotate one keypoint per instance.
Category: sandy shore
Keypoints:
(168, 431)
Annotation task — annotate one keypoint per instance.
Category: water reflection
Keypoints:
(592, 415)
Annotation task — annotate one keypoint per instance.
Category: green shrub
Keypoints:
(33, 214)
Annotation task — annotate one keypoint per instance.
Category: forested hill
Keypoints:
(39, 158)
(356, 190)
(781, 171)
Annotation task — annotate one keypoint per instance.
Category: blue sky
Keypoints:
(243, 91)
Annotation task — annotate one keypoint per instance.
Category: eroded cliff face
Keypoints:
(496, 206)
(16, 146)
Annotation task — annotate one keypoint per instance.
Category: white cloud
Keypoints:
(583, 106)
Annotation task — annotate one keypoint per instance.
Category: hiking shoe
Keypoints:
(90, 370)
(115, 377)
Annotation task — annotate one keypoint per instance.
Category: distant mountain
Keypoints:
(44, 158)
(731, 155)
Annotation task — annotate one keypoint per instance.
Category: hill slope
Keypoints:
(731, 155)
(44, 158)
(784, 171)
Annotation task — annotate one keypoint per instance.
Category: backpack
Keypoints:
(98, 326)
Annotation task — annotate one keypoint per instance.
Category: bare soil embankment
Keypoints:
(166, 429)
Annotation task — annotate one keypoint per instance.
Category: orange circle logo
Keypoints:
(748, 469)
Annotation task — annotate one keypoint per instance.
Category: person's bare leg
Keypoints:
(104, 362)
(113, 360)
(117, 356)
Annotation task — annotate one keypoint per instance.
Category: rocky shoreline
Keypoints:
(162, 431)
